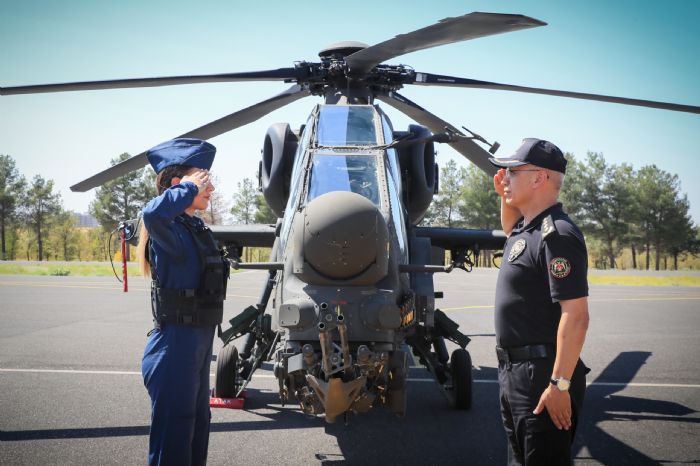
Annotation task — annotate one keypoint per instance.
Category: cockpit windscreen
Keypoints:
(340, 125)
(340, 172)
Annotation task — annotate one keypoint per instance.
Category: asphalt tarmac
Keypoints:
(71, 390)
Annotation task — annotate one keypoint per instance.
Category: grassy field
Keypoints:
(95, 269)
(637, 280)
(65, 269)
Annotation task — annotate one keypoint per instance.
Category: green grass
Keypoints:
(636, 280)
(77, 269)
(73, 270)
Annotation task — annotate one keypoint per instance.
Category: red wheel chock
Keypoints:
(230, 403)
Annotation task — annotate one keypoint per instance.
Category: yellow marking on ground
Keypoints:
(94, 286)
(465, 307)
(669, 298)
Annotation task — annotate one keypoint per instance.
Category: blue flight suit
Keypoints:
(177, 358)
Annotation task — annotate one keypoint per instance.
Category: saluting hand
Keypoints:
(199, 177)
(498, 180)
(558, 406)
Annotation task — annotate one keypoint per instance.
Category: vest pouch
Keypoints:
(201, 306)
(185, 307)
(214, 279)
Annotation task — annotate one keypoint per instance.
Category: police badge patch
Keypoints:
(516, 250)
(560, 267)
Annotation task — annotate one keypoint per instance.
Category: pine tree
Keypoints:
(42, 204)
(12, 187)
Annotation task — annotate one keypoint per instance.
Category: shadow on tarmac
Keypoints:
(434, 433)
(603, 405)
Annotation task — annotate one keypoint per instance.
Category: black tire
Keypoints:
(225, 385)
(397, 383)
(461, 366)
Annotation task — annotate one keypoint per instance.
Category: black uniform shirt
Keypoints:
(543, 263)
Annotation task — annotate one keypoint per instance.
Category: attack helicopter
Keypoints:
(349, 288)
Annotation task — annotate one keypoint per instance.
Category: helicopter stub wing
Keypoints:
(428, 79)
(465, 146)
(215, 128)
(446, 31)
(452, 238)
(249, 235)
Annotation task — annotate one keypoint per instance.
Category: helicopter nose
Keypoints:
(344, 238)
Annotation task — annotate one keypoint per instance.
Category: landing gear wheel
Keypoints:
(397, 383)
(461, 366)
(225, 385)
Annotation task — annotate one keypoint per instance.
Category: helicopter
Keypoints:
(349, 289)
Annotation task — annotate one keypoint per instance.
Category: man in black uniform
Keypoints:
(541, 310)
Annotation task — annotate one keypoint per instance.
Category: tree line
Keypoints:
(623, 212)
(35, 226)
(640, 214)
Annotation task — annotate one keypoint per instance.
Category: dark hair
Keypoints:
(166, 175)
(163, 181)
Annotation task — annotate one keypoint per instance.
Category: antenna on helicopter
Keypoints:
(492, 147)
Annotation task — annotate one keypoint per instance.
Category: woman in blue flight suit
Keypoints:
(189, 285)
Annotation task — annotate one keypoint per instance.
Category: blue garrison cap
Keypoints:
(182, 151)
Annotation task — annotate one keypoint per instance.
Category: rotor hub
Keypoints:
(342, 49)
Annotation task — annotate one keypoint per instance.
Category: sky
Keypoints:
(645, 50)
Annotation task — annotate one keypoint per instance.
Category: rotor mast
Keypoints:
(343, 87)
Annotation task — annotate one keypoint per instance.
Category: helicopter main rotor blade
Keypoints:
(249, 114)
(280, 74)
(215, 128)
(446, 31)
(467, 147)
(428, 79)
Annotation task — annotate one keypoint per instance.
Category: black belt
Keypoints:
(523, 353)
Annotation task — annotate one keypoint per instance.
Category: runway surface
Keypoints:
(71, 390)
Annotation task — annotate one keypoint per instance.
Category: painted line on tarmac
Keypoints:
(465, 307)
(70, 371)
(119, 288)
(670, 298)
(590, 300)
(410, 379)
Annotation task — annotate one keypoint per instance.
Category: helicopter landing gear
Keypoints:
(453, 374)
(397, 383)
(461, 371)
(227, 384)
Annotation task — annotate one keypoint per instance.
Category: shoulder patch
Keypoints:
(548, 227)
(560, 267)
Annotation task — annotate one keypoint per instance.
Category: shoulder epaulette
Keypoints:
(548, 227)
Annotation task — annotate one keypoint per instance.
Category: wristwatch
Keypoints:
(561, 383)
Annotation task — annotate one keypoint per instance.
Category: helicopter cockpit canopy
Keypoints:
(338, 163)
(346, 125)
(333, 171)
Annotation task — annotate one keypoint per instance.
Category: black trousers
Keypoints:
(534, 439)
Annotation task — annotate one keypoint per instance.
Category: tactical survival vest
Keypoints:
(203, 305)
